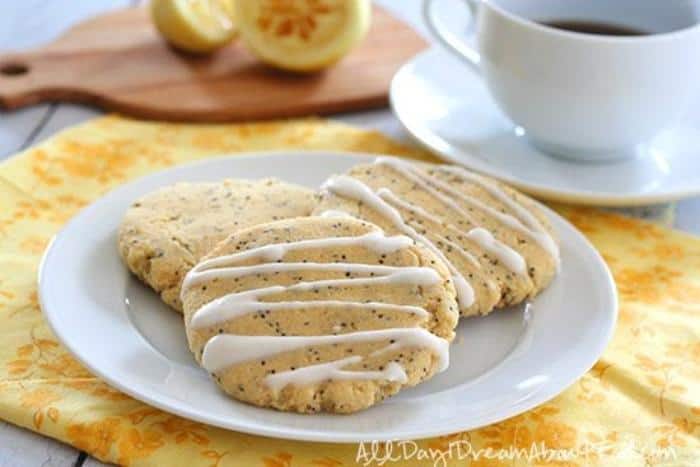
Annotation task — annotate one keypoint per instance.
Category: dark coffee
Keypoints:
(595, 27)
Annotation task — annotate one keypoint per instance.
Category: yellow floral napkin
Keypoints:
(639, 405)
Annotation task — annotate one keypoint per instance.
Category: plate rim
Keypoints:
(160, 400)
(432, 142)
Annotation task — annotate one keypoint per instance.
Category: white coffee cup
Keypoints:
(579, 95)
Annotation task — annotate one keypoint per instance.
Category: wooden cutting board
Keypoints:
(117, 61)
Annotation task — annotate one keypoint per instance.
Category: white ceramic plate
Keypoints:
(448, 109)
(500, 366)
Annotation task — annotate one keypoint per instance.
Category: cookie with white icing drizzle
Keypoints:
(166, 232)
(497, 243)
(319, 314)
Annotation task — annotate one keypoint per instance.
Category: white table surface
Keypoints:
(28, 23)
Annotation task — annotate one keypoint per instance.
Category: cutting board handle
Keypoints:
(26, 80)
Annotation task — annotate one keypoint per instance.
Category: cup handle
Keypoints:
(450, 40)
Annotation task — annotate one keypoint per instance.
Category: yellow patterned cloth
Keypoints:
(639, 405)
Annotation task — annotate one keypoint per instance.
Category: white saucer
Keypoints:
(447, 108)
(500, 365)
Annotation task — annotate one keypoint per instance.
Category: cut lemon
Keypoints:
(302, 35)
(198, 26)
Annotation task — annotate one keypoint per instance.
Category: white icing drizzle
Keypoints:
(462, 252)
(375, 241)
(240, 304)
(224, 350)
(335, 213)
(510, 258)
(416, 177)
(355, 189)
(524, 217)
(423, 275)
(333, 370)
(391, 197)
(525, 222)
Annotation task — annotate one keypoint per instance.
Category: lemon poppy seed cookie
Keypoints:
(496, 242)
(166, 232)
(319, 314)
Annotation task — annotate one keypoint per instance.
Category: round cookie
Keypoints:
(498, 244)
(166, 232)
(319, 314)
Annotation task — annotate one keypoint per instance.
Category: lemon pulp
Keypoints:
(302, 35)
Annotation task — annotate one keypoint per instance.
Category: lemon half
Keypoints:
(302, 35)
(198, 26)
